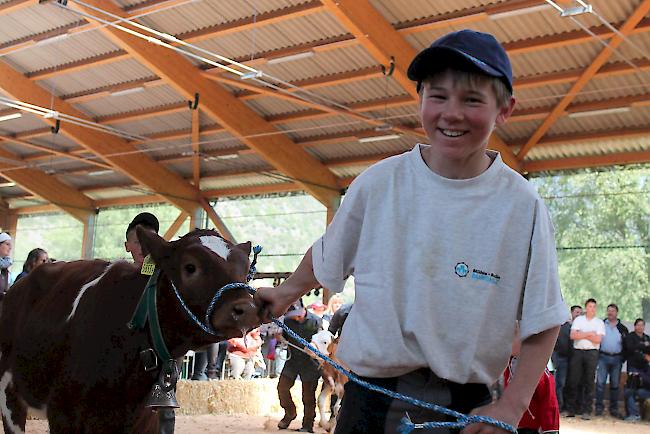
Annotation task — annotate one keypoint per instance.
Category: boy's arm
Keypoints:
(277, 300)
(534, 355)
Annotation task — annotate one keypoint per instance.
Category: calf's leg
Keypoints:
(14, 411)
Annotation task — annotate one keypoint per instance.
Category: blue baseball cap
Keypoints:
(463, 48)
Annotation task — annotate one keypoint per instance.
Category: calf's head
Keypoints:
(199, 264)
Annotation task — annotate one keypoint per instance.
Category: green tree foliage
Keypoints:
(601, 220)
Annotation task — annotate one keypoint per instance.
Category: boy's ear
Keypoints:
(153, 244)
(506, 111)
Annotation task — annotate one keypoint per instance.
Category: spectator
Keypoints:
(610, 361)
(543, 414)
(35, 258)
(306, 325)
(637, 390)
(334, 304)
(562, 353)
(166, 416)
(586, 331)
(336, 325)
(5, 262)
(242, 353)
(637, 345)
(271, 335)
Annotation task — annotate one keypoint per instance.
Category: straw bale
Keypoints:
(253, 397)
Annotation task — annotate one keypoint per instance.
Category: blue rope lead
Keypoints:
(407, 426)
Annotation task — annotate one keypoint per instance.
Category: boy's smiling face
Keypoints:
(458, 120)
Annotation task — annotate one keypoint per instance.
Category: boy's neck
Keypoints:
(467, 168)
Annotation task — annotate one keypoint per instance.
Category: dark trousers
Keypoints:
(308, 399)
(582, 372)
(166, 421)
(561, 365)
(367, 412)
(608, 366)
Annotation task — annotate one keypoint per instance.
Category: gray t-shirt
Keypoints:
(442, 268)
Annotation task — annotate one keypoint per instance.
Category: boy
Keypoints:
(448, 247)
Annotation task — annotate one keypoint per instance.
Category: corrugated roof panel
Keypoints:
(170, 122)
(158, 96)
(55, 141)
(269, 106)
(288, 33)
(408, 115)
(239, 181)
(614, 12)
(8, 192)
(399, 11)
(568, 150)
(315, 129)
(206, 13)
(542, 96)
(77, 46)
(354, 148)
(617, 86)
(635, 118)
(26, 122)
(349, 171)
(18, 150)
(33, 20)
(95, 77)
(512, 132)
(361, 91)
(114, 193)
(328, 62)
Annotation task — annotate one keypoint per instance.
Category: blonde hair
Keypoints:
(472, 80)
(334, 297)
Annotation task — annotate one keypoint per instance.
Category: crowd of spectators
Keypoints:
(590, 354)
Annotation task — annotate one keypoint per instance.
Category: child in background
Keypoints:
(543, 414)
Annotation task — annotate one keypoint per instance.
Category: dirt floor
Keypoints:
(238, 424)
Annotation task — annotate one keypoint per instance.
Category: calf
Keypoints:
(66, 348)
(333, 380)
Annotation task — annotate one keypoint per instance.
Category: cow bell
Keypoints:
(163, 393)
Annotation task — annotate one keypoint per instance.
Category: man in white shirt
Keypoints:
(587, 331)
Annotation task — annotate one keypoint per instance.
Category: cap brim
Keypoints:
(435, 59)
(295, 313)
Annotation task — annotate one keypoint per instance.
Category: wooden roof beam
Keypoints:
(636, 16)
(48, 187)
(219, 104)
(115, 150)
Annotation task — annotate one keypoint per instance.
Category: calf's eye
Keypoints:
(190, 268)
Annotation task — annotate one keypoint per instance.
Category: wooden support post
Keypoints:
(218, 222)
(173, 229)
(331, 211)
(88, 242)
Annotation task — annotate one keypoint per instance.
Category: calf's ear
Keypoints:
(153, 244)
(244, 247)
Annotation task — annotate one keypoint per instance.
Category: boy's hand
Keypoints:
(496, 410)
(274, 302)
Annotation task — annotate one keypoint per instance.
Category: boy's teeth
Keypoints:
(452, 133)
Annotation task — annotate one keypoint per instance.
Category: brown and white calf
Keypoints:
(66, 348)
(333, 380)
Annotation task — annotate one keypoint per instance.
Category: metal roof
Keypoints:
(607, 121)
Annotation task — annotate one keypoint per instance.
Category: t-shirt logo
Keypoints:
(461, 269)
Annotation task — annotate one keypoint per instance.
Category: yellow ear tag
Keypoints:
(148, 266)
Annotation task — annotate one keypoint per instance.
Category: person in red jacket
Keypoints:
(543, 414)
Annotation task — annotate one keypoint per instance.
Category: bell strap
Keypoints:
(146, 310)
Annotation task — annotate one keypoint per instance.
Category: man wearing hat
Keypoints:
(306, 325)
(166, 417)
(5, 262)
